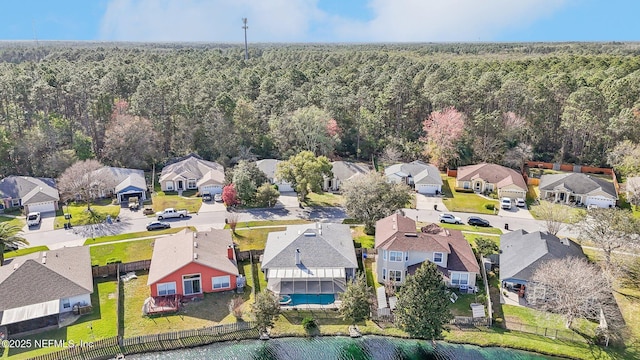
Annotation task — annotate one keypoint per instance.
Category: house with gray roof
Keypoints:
(343, 171)
(269, 167)
(425, 178)
(193, 173)
(578, 188)
(126, 183)
(310, 263)
(521, 253)
(38, 288)
(34, 194)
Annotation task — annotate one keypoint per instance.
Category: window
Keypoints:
(459, 279)
(169, 185)
(384, 274)
(166, 288)
(221, 282)
(15, 202)
(384, 254)
(191, 284)
(395, 275)
(437, 258)
(66, 304)
(466, 185)
(191, 184)
(395, 256)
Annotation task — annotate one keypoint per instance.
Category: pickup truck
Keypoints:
(33, 219)
(171, 213)
(133, 203)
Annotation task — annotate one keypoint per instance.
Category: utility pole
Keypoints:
(246, 48)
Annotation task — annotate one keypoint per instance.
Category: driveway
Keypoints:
(516, 212)
(46, 224)
(426, 202)
(288, 200)
(211, 206)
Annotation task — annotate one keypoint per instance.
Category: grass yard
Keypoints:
(208, 312)
(372, 276)
(251, 224)
(462, 306)
(25, 251)
(80, 215)
(162, 201)
(471, 228)
(253, 239)
(324, 199)
(127, 251)
(531, 317)
(100, 324)
(471, 238)
(575, 213)
(464, 202)
(13, 221)
(135, 235)
(629, 304)
(361, 239)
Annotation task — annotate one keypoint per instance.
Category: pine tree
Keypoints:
(355, 300)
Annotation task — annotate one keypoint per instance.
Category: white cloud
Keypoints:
(302, 20)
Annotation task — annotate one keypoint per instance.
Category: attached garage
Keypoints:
(124, 197)
(211, 189)
(512, 193)
(428, 188)
(43, 207)
(284, 187)
(600, 201)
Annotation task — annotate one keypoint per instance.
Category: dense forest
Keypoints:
(135, 105)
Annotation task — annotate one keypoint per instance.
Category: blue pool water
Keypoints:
(322, 299)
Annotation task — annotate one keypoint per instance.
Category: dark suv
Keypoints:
(474, 220)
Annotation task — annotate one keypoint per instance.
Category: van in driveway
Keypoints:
(505, 203)
(33, 219)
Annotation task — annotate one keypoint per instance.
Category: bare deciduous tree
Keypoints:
(572, 288)
(517, 156)
(610, 230)
(232, 221)
(633, 190)
(82, 181)
(555, 216)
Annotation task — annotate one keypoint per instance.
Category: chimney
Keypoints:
(297, 256)
(230, 253)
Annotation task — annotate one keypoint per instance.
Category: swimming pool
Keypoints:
(321, 299)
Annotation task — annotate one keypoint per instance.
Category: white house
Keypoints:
(126, 183)
(269, 167)
(193, 173)
(34, 194)
(425, 178)
(343, 171)
(578, 188)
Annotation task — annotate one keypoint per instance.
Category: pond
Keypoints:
(367, 347)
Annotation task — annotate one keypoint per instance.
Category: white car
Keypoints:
(33, 219)
(449, 218)
(505, 203)
(520, 202)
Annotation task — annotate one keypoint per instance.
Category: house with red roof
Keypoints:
(402, 249)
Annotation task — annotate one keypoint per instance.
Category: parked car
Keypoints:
(206, 197)
(217, 197)
(148, 211)
(157, 225)
(477, 221)
(449, 218)
(505, 203)
(520, 202)
(33, 219)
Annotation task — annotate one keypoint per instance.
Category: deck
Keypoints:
(162, 304)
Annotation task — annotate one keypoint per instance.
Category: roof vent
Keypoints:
(309, 233)
(15, 266)
(410, 234)
(44, 254)
(195, 244)
(44, 260)
(195, 235)
(195, 256)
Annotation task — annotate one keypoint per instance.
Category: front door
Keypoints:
(191, 284)
(180, 185)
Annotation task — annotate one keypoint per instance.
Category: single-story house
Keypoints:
(491, 177)
(522, 252)
(269, 167)
(402, 249)
(578, 188)
(310, 263)
(192, 263)
(126, 183)
(193, 173)
(343, 171)
(34, 194)
(425, 178)
(38, 288)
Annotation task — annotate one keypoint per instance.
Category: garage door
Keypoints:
(600, 201)
(284, 188)
(427, 188)
(42, 207)
(211, 189)
(513, 194)
(126, 196)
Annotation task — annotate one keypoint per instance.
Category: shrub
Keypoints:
(309, 323)
(498, 322)
(113, 261)
(13, 210)
(489, 206)
(481, 298)
(461, 190)
(492, 274)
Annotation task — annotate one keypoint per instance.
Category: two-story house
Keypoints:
(402, 249)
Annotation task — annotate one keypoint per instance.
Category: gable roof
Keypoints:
(521, 252)
(405, 169)
(430, 175)
(397, 232)
(30, 189)
(345, 170)
(123, 178)
(493, 174)
(174, 252)
(578, 183)
(268, 167)
(26, 280)
(193, 167)
(322, 245)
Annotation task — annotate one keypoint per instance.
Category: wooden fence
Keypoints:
(112, 269)
(111, 347)
(249, 254)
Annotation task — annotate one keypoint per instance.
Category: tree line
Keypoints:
(135, 105)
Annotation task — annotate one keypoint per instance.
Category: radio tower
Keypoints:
(246, 48)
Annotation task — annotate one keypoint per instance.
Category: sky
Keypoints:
(321, 20)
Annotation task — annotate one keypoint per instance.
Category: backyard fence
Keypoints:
(111, 347)
(112, 269)
(560, 334)
(247, 254)
(470, 321)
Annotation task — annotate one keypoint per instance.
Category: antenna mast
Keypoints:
(246, 48)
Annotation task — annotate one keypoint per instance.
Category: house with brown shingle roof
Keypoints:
(491, 177)
(192, 263)
(191, 173)
(402, 249)
(38, 288)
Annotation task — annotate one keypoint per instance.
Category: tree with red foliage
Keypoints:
(230, 195)
(443, 131)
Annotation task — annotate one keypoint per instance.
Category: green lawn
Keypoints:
(126, 251)
(324, 199)
(372, 276)
(531, 317)
(463, 227)
(462, 306)
(162, 201)
(251, 224)
(135, 235)
(253, 239)
(629, 304)
(575, 213)
(471, 238)
(13, 221)
(80, 215)
(100, 324)
(361, 239)
(25, 251)
(464, 202)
